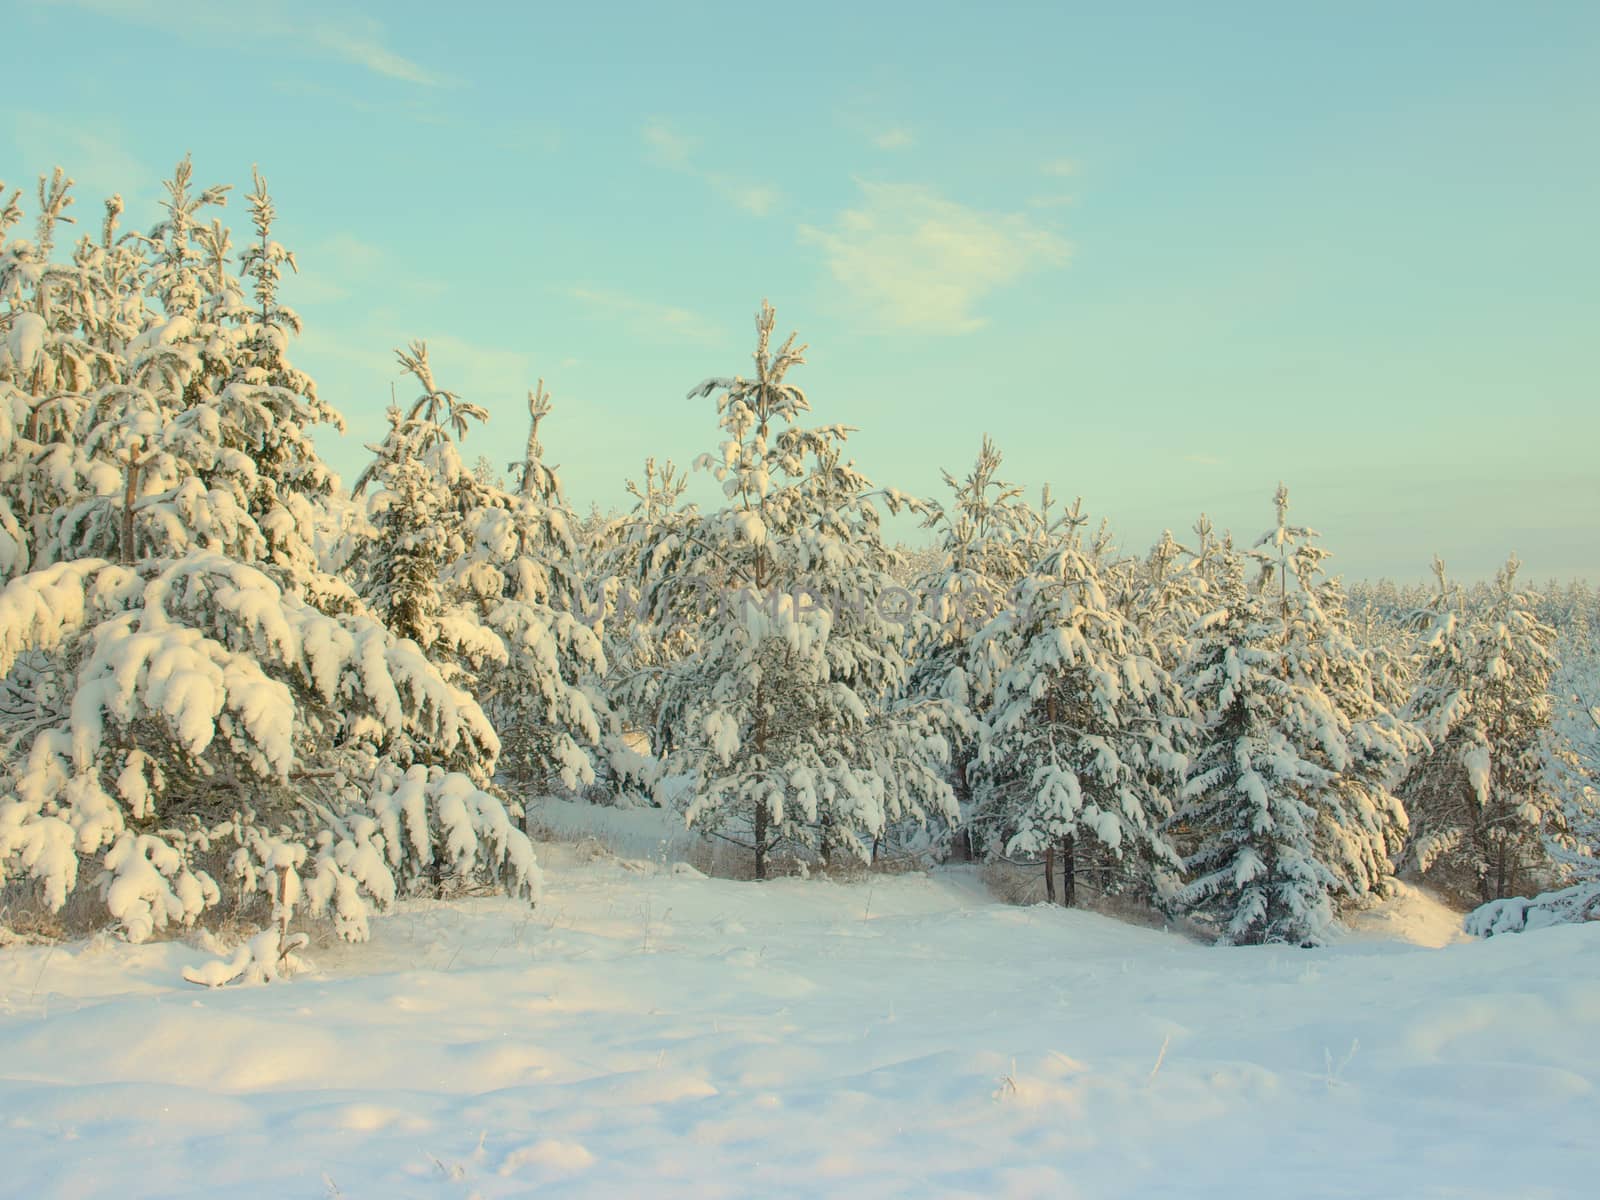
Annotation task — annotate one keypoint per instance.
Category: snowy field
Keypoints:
(648, 1032)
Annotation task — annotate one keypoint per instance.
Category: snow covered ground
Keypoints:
(647, 1032)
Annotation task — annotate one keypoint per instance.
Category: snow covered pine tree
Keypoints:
(988, 538)
(1479, 797)
(485, 581)
(789, 710)
(1250, 800)
(1290, 793)
(193, 708)
(1079, 754)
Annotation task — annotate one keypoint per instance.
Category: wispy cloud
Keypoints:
(416, 105)
(920, 261)
(364, 47)
(355, 39)
(331, 266)
(1059, 168)
(648, 320)
(92, 156)
(668, 147)
(894, 139)
(759, 199)
(346, 254)
(365, 352)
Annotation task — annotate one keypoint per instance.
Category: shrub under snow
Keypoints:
(188, 708)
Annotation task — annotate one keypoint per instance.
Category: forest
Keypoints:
(238, 690)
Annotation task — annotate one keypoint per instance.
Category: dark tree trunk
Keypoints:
(761, 839)
(1483, 851)
(962, 846)
(1050, 873)
(1069, 872)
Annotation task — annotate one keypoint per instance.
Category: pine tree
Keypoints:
(1290, 796)
(787, 709)
(1361, 824)
(484, 581)
(268, 407)
(988, 538)
(525, 572)
(1255, 785)
(409, 512)
(1478, 799)
(1573, 770)
(1166, 593)
(186, 715)
(1078, 755)
(66, 326)
(648, 622)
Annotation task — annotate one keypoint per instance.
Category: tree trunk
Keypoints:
(759, 744)
(1069, 873)
(1050, 873)
(962, 844)
(761, 839)
(1503, 868)
(130, 493)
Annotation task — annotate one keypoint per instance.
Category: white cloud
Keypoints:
(355, 39)
(327, 266)
(364, 352)
(668, 147)
(346, 254)
(648, 320)
(367, 50)
(756, 198)
(91, 156)
(312, 290)
(894, 139)
(1059, 168)
(920, 261)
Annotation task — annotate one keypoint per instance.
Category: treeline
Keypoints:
(229, 682)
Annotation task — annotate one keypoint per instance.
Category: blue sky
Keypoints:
(1166, 254)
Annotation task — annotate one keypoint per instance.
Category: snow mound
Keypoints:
(1581, 902)
(1412, 915)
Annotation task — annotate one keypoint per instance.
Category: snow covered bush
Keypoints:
(181, 705)
(1516, 914)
